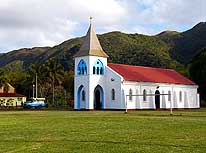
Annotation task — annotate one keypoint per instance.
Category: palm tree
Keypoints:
(37, 69)
(55, 74)
(33, 70)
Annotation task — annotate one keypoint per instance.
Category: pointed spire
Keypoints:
(91, 45)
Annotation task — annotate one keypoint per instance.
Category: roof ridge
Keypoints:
(143, 66)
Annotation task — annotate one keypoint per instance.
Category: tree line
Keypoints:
(53, 82)
(197, 71)
(57, 84)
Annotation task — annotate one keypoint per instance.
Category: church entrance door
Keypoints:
(98, 98)
(79, 97)
(157, 99)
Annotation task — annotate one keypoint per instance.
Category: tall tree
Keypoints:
(198, 67)
(55, 74)
(68, 82)
(38, 70)
(198, 72)
(68, 85)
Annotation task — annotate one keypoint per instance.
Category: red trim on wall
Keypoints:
(11, 95)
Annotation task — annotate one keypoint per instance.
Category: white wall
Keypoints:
(95, 80)
(137, 89)
(112, 81)
(78, 81)
(189, 95)
(89, 81)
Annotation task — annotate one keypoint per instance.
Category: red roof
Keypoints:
(148, 74)
(11, 95)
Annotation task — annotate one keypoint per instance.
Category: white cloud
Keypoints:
(177, 12)
(27, 23)
(41, 23)
(154, 16)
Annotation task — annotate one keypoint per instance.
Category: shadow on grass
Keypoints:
(174, 115)
(153, 114)
(108, 142)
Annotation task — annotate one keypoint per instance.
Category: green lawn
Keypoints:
(102, 131)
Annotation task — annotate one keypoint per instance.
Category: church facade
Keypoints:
(102, 85)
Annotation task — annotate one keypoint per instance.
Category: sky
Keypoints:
(35, 23)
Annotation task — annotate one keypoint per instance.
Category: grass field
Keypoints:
(102, 131)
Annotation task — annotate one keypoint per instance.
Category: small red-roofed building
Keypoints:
(9, 97)
(102, 85)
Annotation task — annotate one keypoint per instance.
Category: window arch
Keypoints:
(169, 95)
(180, 96)
(113, 94)
(144, 95)
(82, 68)
(130, 94)
(83, 95)
(98, 68)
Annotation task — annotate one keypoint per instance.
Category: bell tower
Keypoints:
(89, 80)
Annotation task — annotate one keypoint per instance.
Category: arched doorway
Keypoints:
(157, 99)
(98, 98)
(79, 96)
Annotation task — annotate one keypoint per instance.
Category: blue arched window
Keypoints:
(98, 67)
(82, 68)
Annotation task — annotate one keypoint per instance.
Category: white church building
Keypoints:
(102, 85)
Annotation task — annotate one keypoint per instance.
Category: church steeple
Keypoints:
(91, 45)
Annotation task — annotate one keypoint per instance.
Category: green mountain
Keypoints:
(136, 49)
(122, 48)
(166, 49)
(185, 45)
(24, 55)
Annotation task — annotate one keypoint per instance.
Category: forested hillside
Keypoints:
(122, 48)
(169, 49)
(184, 46)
